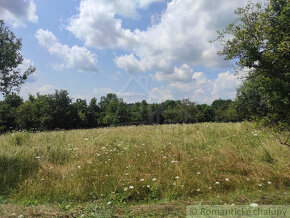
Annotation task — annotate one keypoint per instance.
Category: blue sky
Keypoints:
(140, 49)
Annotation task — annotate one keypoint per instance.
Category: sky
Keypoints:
(139, 49)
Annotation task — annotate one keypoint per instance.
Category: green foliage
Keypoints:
(11, 76)
(260, 42)
(57, 111)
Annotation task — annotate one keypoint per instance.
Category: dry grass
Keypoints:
(144, 163)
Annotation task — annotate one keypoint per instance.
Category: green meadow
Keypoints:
(141, 170)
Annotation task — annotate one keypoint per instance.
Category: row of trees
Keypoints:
(58, 111)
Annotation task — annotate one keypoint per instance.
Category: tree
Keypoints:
(260, 42)
(11, 74)
(260, 39)
(8, 112)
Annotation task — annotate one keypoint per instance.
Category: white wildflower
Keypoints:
(109, 203)
(141, 180)
(131, 187)
(86, 139)
(176, 177)
(227, 179)
(198, 173)
(269, 183)
(260, 185)
(217, 183)
(198, 190)
(154, 179)
(125, 189)
(79, 167)
(38, 157)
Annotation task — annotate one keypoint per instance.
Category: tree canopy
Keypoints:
(11, 74)
(259, 41)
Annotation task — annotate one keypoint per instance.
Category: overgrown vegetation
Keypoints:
(57, 111)
(144, 164)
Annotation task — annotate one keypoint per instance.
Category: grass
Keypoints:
(149, 170)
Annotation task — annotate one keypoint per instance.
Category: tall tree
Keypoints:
(11, 74)
(260, 42)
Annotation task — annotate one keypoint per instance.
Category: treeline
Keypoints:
(58, 111)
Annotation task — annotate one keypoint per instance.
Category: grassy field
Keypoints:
(143, 170)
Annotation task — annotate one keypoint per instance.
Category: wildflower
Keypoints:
(154, 179)
(255, 134)
(141, 180)
(109, 203)
(86, 139)
(198, 190)
(126, 174)
(21, 216)
(148, 186)
(131, 187)
(176, 177)
(143, 144)
(260, 185)
(232, 204)
(79, 167)
(217, 183)
(198, 173)
(37, 157)
(174, 161)
(227, 179)
(164, 157)
(125, 189)
(174, 183)
(247, 179)
(210, 188)
(269, 183)
(254, 205)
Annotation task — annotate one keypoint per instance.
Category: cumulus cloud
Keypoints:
(199, 89)
(130, 63)
(183, 73)
(17, 12)
(98, 26)
(180, 34)
(75, 57)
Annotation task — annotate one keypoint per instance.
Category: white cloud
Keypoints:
(79, 58)
(200, 89)
(24, 66)
(160, 95)
(225, 86)
(183, 73)
(130, 63)
(96, 23)
(17, 12)
(179, 35)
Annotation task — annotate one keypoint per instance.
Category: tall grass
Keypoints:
(142, 163)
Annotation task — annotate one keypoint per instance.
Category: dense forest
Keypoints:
(58, 111)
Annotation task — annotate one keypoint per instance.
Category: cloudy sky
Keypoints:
(140, 49)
